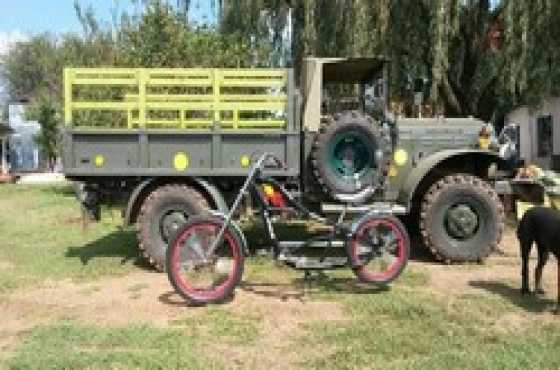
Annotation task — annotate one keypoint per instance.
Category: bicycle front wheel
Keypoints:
(198, 276)
(379, 249)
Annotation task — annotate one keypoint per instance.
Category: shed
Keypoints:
(539, 133)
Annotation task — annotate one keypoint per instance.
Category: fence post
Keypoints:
(68, 77)
(142, 77)
(216, 90)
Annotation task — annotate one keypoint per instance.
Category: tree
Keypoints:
(32, 66)
(481, 57)
(45, 113)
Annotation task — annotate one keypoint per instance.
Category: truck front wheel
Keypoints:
(162, 214)
(462, 219)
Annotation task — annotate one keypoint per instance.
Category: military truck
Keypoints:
(170, 143)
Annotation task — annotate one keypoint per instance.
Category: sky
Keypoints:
(21, 18)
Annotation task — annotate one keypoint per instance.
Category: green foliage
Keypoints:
(532, 49)
(155, 40)
(161, 38)
(480, 57)
(32, 67)
(45, 113)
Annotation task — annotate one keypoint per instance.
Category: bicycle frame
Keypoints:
(251, 187)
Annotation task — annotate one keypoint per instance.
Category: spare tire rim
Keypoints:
(461, 221)
(349, 156)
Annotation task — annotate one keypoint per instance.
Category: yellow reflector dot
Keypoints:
(268, 190)
(181, 161)
(245, 161)
(99, 160)
(400, 157)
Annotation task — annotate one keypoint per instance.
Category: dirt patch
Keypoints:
(148, 298)
(115, 301)
(6, 266)
(284, 320)
(499, 281)
(504, 267)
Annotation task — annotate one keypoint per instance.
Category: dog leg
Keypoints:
(525, 251)
(543, 258)
(557, 311)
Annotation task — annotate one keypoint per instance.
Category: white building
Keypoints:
(539, 132)
(24, 150)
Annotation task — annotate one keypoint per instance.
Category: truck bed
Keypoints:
(177, 122)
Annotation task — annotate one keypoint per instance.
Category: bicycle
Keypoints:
(205, 258)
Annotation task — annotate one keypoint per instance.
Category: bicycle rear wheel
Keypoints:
(379, 249)
(198, 277)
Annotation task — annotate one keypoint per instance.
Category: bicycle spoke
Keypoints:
(379, 249)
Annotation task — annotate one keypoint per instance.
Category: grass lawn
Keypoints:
(42, 239)
(433, 317)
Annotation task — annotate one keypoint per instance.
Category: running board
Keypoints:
(312, 244)
(313, 263)
(382, 208)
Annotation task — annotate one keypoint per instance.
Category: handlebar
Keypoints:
(261, 161)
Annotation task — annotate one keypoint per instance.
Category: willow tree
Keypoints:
(531, 50)
(479, 57)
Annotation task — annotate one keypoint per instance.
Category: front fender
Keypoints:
(212, 192)
(131, 205)
(476, 158)
(375, 212)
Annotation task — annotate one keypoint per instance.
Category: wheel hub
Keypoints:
(350, 156)
(171, 222)
(461, 222)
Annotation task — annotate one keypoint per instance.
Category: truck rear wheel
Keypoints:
(462, 219)
(162, 214)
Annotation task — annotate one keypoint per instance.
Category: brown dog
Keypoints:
(539, 225)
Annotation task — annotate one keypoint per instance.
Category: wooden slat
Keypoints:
(155, 105)
(262, 124)
(252, 106)
(181, 71)
(107, 105)
(252, 73)
(253, 98)
(172, 97)
(252, 83)
(101, 81)
(202, 82)
(104, 71)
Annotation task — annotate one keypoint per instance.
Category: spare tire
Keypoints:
(350, 157)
